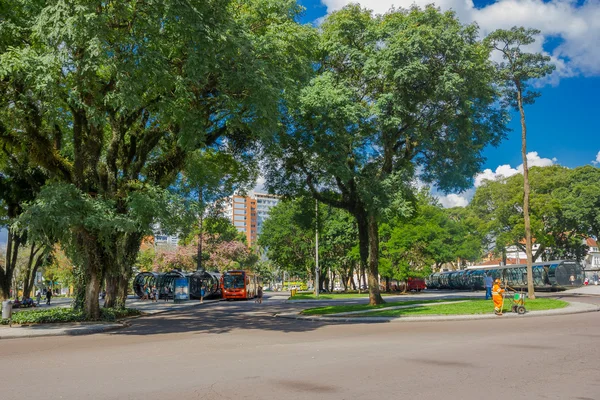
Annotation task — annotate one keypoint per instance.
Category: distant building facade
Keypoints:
(248, 213)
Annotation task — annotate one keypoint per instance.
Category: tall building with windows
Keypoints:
(248, 213)
(241, 211)
(264, 203)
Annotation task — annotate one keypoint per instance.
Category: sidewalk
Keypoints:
(572, 308)
(83, 328)
(589, 290)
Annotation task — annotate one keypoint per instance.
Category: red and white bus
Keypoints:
(239, 285)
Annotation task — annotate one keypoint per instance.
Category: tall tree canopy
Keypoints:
(515, 72)
(560, 214)
(408, 91)
(109, 97)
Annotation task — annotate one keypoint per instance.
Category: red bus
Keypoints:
(239, 285)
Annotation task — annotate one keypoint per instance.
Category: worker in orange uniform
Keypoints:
(497, 297)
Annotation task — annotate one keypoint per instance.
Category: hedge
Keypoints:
(61, 315)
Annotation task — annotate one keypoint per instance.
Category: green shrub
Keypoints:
(112, 314)
(61, 315)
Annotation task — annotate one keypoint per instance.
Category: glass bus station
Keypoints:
(547, 276)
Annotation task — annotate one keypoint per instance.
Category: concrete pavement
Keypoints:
(238, 350)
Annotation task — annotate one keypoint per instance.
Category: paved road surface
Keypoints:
(238, 351)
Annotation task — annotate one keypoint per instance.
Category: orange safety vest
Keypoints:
(497, 290)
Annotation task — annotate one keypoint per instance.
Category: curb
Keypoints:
(425, 297)
(572, 308)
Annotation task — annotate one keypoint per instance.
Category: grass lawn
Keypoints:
(469, 307)
(333, 296)
(359, 307)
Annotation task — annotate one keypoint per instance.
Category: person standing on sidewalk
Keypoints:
(497, 297)
(260, 295)
(48, 296)
(202, 293)
(38, 297)
(488, 283)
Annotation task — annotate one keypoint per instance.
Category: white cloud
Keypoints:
(504, 171)
(453, 200)
(576, 23)
(597, 160)
(534, 160)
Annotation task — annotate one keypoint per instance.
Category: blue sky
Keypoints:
(563, 124)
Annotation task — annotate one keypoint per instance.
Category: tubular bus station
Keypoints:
(210, 281)
(547, 276)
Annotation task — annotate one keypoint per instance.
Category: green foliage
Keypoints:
(288, 235)
(518, 67)
(432, 236)
(468, 307)
(64, 315)
(360, 307)
(412, 90)
(111, 98)
(563, 210)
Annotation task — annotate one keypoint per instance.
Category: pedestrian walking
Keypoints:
(497, 297)
(48, 296)
(572, 279)
(154, 294)
(489, 282)
(260, 295)
(202, 293)
(38, 297)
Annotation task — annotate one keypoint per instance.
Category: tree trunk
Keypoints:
(122, 289)
(91, 306)
(32, 271)
(526, 191)
(111, 287)
(6, 275)
(373, 266)
(94, 262)
(201, 233)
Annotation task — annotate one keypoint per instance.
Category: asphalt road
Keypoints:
(239, 351)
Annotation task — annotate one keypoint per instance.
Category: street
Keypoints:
(238, 350)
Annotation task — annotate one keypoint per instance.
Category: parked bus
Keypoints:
(239, 285)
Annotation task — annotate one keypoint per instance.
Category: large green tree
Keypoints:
(516, 72)
(557, 211)
(408, 91)
(430, 237)
(110, 97)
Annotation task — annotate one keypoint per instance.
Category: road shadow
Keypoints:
(222, 318)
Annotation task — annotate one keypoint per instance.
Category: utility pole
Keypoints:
(200, 225)
(317, 248)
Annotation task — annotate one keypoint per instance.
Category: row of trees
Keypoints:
(565, 211)
(110, 100)
(121, 115)
(409, 246)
